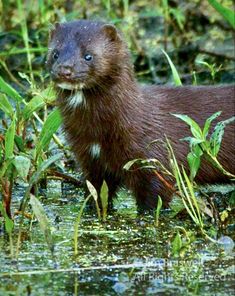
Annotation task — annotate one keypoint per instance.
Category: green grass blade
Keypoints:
(4, 167)
(50, 126)
(193, 198)
(10, 91)
(78, 220)
(9, 224)
(126, 7)
(190, 207)
(175, 74)
(180, 183)
(9, 140)
(5, 105)
(157, 211)
(25, 36)
(226, 13)
(15, 51)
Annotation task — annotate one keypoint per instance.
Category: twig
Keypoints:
(70, 179)
(216, 54)
(164, 181)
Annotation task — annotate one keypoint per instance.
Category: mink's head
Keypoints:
(83, 54)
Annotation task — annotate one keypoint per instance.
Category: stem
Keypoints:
(78, 220)
(217, 164)
(25, 36)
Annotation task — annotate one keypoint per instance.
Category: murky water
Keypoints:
(123, 256)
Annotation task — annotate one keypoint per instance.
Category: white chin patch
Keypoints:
(70, 86)
(76, 100)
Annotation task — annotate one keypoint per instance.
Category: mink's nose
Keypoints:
(65, 71)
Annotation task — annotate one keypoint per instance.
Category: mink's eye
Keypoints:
(88, 57)
(55, 54)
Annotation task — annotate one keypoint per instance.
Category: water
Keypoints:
(125, 255)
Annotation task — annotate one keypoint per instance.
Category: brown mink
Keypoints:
(109, 119)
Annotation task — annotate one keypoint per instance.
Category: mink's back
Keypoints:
(198, 102)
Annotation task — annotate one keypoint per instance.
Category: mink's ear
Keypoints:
(53, 29)
(110, 32)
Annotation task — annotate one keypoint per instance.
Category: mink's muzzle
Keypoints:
(66, 77)
(67, 74)
(65, 71)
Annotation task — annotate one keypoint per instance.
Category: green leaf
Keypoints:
(192, 141)
(10, 91)
(5, 105)
(194, 161)
(157, 211)
(194, 127)
(50, 126)
(210, 67)
(130, 163)
(38, 102)
(217, 135)
(43, 221)
(9, 140)
(179, 16)
(35, 104)
(76, 225)
(227, 13)
(1, 155)
(208, 123)
(176, 205)
(104, 199)
(94, 194)
(92, 190)
(49, 94)
(9, 224)
(4, 167)
(177, 244)
(175, 74)
(36, 177)
(19, 143)
(22, 165)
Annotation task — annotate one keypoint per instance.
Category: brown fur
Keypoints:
(124, 118)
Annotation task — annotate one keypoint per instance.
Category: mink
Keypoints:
(110, 119)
